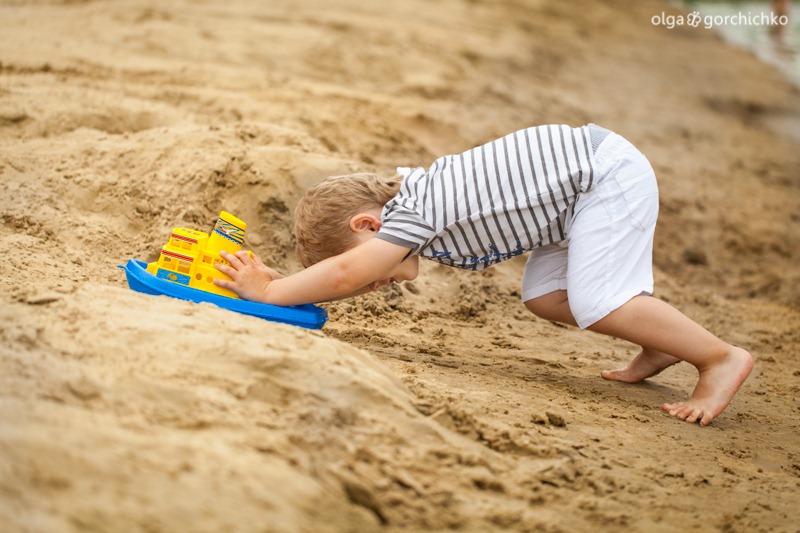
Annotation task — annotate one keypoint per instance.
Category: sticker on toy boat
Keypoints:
(174, 277)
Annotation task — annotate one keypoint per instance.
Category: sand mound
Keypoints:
(438, 405)
(129, 407)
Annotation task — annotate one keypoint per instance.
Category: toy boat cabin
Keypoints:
(189, 256)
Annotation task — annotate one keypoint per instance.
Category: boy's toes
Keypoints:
(680, 410)
(695, 415)
(688, 412)
(618, 374)
(683, 413)
(671, 408)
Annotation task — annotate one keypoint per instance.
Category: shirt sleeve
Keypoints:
(405, 228)
(400, 223)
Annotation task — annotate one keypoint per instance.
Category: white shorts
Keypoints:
(607, 258)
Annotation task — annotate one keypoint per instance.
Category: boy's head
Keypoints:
(322, 219)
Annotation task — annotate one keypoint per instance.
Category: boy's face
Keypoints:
(405, 271)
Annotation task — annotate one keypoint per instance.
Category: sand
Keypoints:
(439, 405)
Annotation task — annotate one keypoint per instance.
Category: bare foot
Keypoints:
(715, 389)
(647, 364)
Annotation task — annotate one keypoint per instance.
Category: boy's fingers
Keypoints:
(224, 283)
(225, 269)
(242, 256)
(230, 258)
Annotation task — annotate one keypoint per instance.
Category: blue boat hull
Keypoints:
(140, 280)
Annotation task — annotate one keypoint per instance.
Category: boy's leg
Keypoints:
(666, 336)
(555, 306)
(660, 327)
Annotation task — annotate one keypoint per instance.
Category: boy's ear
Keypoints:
(365, 222)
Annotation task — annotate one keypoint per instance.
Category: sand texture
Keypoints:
(435, 406)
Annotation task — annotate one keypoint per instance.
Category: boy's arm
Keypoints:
(358, 292)
(343, 275)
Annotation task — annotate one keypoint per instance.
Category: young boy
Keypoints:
(583, 200)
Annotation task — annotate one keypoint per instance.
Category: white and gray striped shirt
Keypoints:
(495, 201)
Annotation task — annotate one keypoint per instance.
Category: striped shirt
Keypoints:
(495, 201)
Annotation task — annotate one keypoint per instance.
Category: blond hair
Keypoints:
(322, 217)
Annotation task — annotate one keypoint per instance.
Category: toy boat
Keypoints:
(185, 270)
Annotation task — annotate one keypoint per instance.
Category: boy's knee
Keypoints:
(539, 307)
(552, 306)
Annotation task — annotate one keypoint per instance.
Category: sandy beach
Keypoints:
(438, 405)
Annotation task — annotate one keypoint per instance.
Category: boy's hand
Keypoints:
(250, 276)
